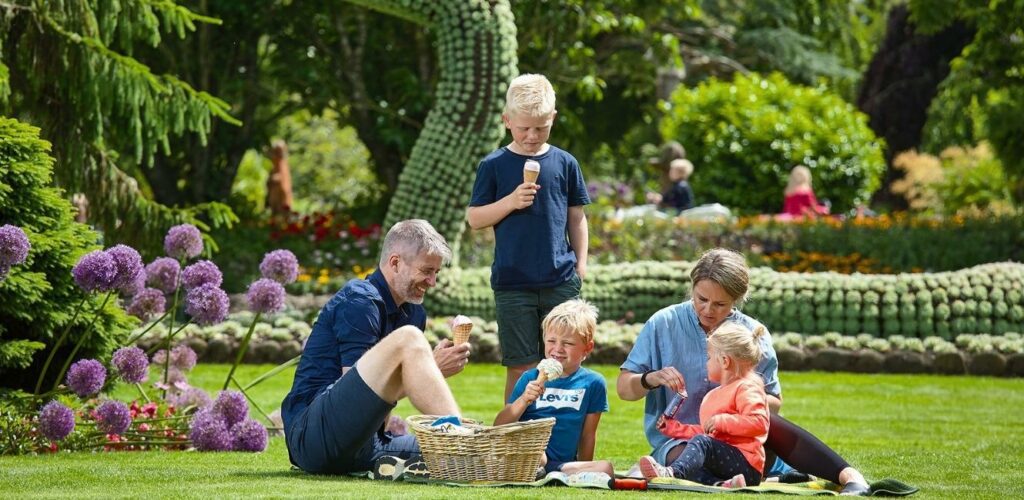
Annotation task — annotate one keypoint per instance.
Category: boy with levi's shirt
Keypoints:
(576, 399)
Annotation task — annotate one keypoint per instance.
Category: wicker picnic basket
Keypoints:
(506, 453)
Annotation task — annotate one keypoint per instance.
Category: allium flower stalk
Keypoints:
(56, 421)
(280, 266)
(86, 377)
(113, 417)
(201, 273)
(183, 242)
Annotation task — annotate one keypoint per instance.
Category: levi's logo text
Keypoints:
(561, 398)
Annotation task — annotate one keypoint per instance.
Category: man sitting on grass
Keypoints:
(367, 351)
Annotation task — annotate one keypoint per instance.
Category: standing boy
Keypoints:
(540, 230)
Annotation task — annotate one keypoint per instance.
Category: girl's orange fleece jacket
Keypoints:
(745, 407)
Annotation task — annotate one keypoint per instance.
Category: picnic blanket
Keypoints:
(884, 487)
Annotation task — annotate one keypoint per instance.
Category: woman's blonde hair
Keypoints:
(530, 95)
(576, 315)
(799, 177)
(726, 267)
(738, 342)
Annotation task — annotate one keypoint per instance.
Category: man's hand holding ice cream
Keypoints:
(452, 357)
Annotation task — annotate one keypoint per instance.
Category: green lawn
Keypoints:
(954, 437)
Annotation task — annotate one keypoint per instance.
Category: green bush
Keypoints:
(39, 297)
(745, 136)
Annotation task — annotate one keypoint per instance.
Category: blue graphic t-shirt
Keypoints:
(568, 399)
(531, 248)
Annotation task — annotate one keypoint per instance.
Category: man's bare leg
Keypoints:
(512, 374)
(402, 364)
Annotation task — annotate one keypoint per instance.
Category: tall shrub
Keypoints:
(745, 136)
(39, 297)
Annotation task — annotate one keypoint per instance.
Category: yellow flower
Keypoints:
(304, 278)
(323, 280)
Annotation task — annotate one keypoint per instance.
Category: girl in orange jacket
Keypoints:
(727, 448)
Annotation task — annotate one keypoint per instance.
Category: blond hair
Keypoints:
(738, 342)
(681, 166)
(725, 267)
(576, 315)
(530, 95)
(410, 238)
(799, 177)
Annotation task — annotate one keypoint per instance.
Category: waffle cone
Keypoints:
(530, 175)
(542, 376)
(460, 334)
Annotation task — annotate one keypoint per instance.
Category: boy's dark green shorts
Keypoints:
(520, 313)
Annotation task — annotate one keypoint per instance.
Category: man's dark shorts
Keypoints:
(520, 313)
(341, 431)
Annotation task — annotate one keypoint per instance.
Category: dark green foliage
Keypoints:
(39, 297)
(745, 136)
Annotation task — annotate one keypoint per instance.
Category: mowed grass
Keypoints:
(954, 437)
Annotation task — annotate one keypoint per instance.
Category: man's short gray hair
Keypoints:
(410, 238)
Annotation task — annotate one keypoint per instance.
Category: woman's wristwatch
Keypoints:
(643, 381)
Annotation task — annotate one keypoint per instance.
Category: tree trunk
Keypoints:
(900, 83)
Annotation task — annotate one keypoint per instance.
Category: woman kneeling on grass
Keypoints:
(670, 355)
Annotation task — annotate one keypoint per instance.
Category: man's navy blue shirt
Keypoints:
(531, 248)
(356, 318)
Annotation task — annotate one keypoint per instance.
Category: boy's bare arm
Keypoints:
(588, 439)
(489, 215)
(579, 238)
(512, 411)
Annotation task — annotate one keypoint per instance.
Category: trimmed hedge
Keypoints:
(983, 299)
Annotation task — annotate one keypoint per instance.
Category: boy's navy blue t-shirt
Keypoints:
(532, 244)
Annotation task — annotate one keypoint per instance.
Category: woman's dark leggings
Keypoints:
(802, 450)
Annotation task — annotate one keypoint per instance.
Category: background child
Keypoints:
(540, 230)
(576, 399)
(679, 195)
(799, 195)
(727, 448)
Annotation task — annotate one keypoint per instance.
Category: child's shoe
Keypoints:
(737, 481)
(650, 468)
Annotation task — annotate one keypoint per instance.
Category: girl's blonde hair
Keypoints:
(576, 315)
(530, 95)
(799, 177)
(738, 342)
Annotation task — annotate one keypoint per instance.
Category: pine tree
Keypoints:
(67, 67)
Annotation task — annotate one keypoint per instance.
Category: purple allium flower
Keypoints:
(131, 364)
(183, 242)
(183, 358)
(128, 264)
(280, 266)
(95, 271)
(209, 431)
(147, 304)
(207, 304)
(132, 289)
(163, 274)
(56, 421)
(231, 406)
(248, 435)
(14, 246)
(190, 396)
(86, 377)
(201, 273)
(265, 296)
(113, 417)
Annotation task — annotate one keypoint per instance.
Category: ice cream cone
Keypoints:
(531, 170)
(460, 333)
(542, 377)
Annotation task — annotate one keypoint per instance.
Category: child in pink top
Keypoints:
(727, 448)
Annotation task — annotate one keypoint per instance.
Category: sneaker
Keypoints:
(388, 467)
(737, 481)
(650, 468)
(416, 468)
(856, 489)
